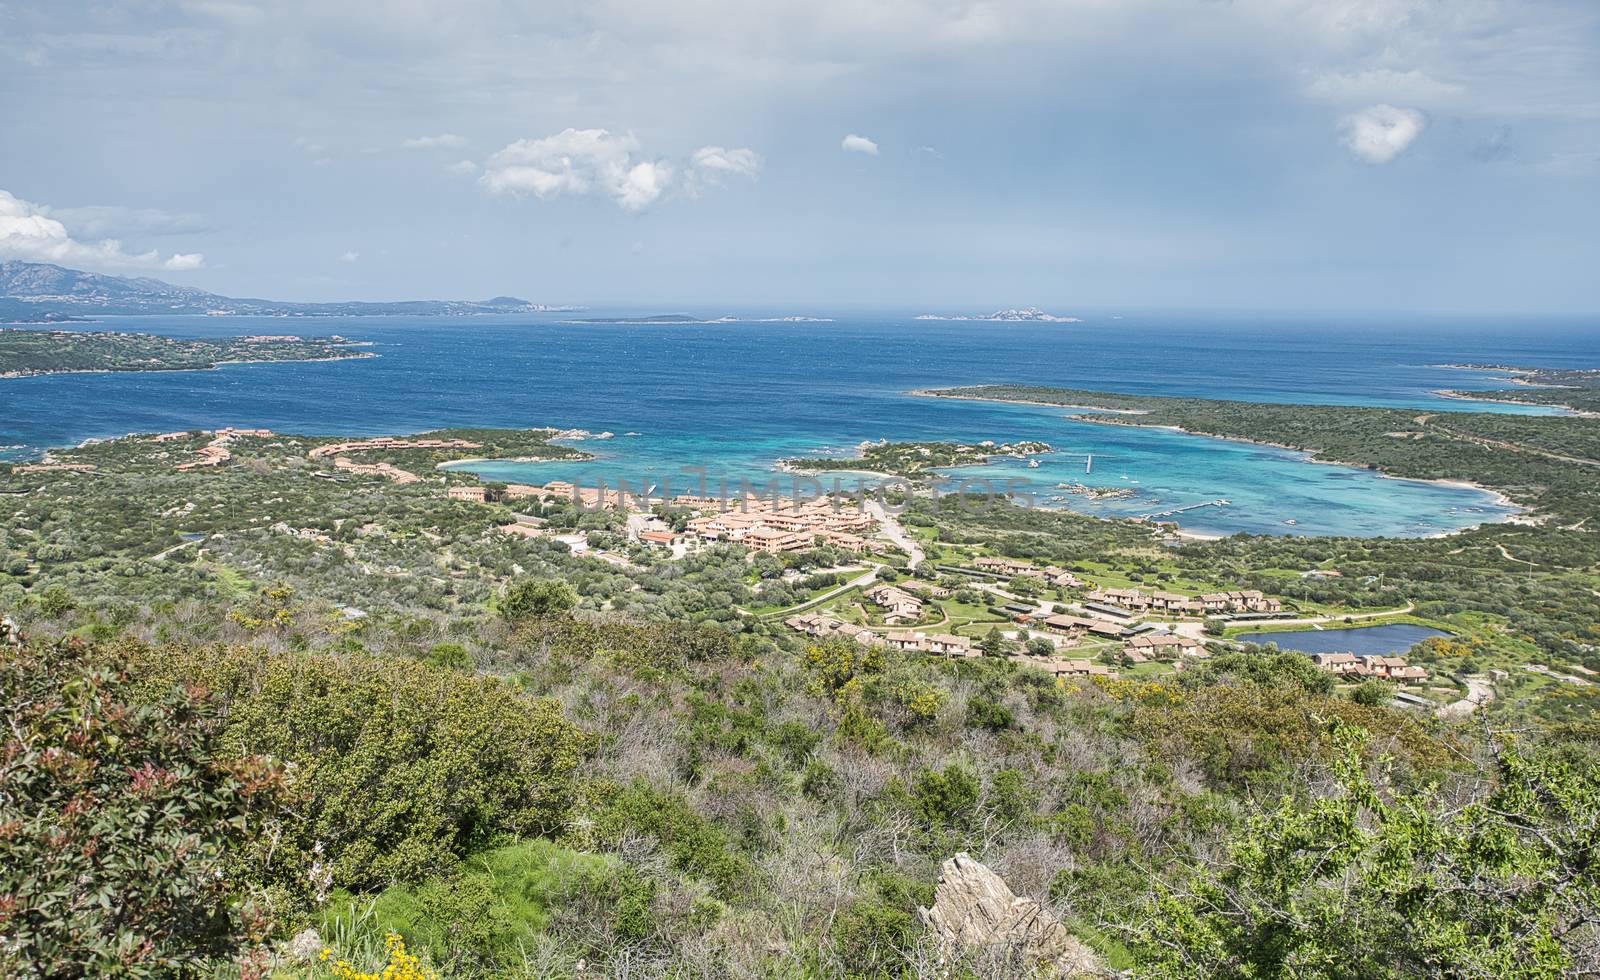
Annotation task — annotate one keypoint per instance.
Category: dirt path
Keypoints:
(1479, 693)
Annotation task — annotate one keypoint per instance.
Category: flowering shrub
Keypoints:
(120, 824)
(400, 965)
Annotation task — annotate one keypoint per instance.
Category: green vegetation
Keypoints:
(274, 695)
(1578, 390)
(30, 352)
(915, 459)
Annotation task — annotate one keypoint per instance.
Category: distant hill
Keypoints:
(37, 292)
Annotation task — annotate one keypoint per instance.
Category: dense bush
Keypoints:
(403, 768)
(1366, 882)
(122, 822)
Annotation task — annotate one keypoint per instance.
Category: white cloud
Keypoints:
(596, 161)
(28, 231)
(709, 165)
(858, 144)
(1382, 132)
(349, 256)
(463, 168)
(443, 140)
(714, 159)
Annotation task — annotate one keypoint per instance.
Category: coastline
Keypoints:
(1554, 407)
(448, 464)
(945, 393)
(19, 375)
(1521, 515)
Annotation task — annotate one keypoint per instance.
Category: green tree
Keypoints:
(535, 598)
(994, 643)
(1366, 883)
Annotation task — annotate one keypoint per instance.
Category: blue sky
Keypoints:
(1072, 154)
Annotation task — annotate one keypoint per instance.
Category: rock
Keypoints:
(305, 946)
(975, 911)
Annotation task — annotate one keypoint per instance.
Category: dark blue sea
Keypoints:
(732, 398)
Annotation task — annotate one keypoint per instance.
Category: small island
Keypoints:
(1028, 314)
(685, 318)
(27, 353)
(914, 459)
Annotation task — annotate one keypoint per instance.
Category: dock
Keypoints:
(1219, 502)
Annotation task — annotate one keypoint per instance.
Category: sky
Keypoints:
(1373, 155)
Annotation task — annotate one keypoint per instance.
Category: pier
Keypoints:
(1219, 502)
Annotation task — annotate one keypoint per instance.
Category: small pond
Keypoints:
(1395, 638)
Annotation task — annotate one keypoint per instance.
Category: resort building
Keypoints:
(898, 606)
(774, 541)
(1012, 568)
(472, 494)
(1164, 646)
(1243, 601)
(1079, 625)
(1369, 665)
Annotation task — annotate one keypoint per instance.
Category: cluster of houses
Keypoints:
(771, 524)
(1068, 668)
(216, 452)
(1134, 601)
(1369, 665)
(1011, 568)
(340, 448)
(938, 644)
(824, 627)
(777, 525)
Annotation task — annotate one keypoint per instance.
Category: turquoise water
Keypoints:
(1374, 640)
(733, 398)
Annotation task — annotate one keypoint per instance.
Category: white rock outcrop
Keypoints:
(974, 911)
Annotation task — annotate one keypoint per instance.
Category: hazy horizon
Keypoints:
(1264, 155)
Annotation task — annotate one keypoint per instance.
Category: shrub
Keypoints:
(1365, 883)
(404, 768)
(530, 598)
(121, 823)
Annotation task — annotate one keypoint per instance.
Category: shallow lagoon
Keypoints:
(734, 398)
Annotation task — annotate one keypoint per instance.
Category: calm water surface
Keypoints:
(1375, 640)
(733, 398)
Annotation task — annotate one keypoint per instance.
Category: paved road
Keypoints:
(894, 532)
(860, 580)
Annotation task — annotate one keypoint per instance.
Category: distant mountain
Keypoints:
(1028, 314)
(37, 292)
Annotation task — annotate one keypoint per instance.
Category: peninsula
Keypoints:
(913, 459)
(39, 292)
(26, 353)
(1576, 390)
